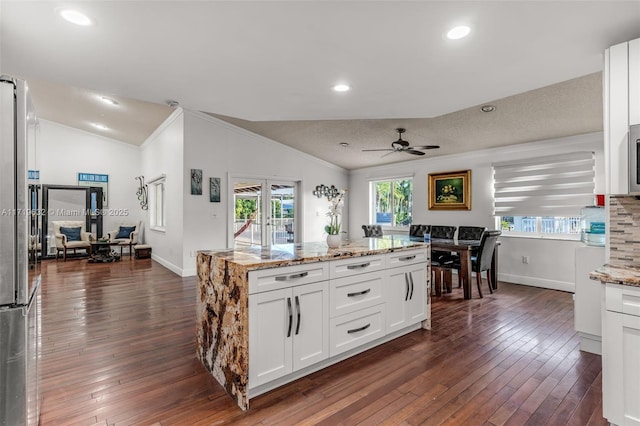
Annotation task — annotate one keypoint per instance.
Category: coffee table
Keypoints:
(101, 252)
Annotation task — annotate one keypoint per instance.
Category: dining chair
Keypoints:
(372, 230)
(470, 232)
(444, 232)
(481, 262)
(419, 230)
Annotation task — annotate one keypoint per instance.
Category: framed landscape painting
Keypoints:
(450, 190)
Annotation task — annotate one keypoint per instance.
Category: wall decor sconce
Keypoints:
(330, 192)
(142, 193)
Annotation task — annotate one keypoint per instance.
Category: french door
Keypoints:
(264, 212)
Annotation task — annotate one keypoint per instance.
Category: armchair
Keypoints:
(71, 235)
(126, 234)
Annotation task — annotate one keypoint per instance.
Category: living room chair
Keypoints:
(126, 234)
(71, 235)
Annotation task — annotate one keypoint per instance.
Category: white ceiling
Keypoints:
(272, 65)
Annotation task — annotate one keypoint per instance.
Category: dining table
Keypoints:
(464, 249)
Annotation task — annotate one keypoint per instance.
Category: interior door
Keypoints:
(264, 212)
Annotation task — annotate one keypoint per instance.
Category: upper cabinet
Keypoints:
(621, 81)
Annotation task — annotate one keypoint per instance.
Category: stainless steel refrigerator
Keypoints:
(19, 259)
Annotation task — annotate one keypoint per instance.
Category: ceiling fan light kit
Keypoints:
(402, 145)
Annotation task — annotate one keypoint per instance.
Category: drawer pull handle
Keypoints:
(291, 277)
(358, 293)
(355, 330)
(298, 310)
(404, 259)
(411, 281)
(362, 265)
(290, 316)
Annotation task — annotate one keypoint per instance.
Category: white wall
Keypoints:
(551, 262)
(163, 153)
(63, 152)
(220, 150)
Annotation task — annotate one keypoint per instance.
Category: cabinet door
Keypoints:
(396, 289)
(271, 324)
(621, 370)
(417, 303)
(311, 324)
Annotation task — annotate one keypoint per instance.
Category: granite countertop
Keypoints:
(256, 257)
(612, 274)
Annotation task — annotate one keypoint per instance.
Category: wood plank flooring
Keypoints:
(118, 344)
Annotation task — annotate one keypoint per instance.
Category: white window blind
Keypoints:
(546, 186)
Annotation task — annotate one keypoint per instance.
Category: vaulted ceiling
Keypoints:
(269, 67)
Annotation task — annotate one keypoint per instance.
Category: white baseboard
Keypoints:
(170, 266)
(538, 282)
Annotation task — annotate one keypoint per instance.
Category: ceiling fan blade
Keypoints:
(389, 153)
(385, 149)
(426, 147)
(414, 152)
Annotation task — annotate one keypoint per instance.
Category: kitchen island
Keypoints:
(269, 315)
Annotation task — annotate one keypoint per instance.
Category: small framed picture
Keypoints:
(196, 182)
(214, 190)
(450, 190)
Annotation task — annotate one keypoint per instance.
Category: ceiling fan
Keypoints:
(402, 145)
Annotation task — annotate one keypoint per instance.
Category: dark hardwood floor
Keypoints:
(118, 344)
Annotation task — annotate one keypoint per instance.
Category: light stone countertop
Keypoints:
(256, 257)
(615, 274)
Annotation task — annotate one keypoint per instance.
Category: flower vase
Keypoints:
(333, 241)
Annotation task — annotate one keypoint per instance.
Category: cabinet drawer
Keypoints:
(354, 293)
(408, 257)
(624, 299)
(357, 328)
(287, 276)
(355, 265)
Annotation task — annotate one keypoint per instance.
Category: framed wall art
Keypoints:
(214, 190)
(450, 190)
(196, 182)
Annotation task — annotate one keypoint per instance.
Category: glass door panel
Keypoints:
(247, 220)
(282, 212)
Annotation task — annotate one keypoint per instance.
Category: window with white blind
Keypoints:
(157, 203)
(543, 196)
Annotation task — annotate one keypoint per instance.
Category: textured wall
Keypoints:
(624, 223)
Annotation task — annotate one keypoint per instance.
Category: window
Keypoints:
(392, 202)
(542, 197)
(157, 204)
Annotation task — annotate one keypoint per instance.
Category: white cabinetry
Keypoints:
(588, 299)
(288, 329)
(621, 355)
(621, 109)
(406, 296)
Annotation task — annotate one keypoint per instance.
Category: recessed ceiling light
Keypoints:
(341, 88)
(344, 144)
(108, 100)
(487, 108)
(458, 32)
(99, 126)
(75, 17)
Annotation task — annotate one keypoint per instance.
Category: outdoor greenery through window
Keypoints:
(392, 202)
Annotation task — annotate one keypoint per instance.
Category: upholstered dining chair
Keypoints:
(71, 235)
(470, 232)
(419, 230)
(372, 230)
(481, 262)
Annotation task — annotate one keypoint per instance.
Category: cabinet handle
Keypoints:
(291, 277)
(290, 316)
(406, 281)
(411, 280)
(355, 330)
(358, 293)
(404, 259)
(298, 309)
(362, 265)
